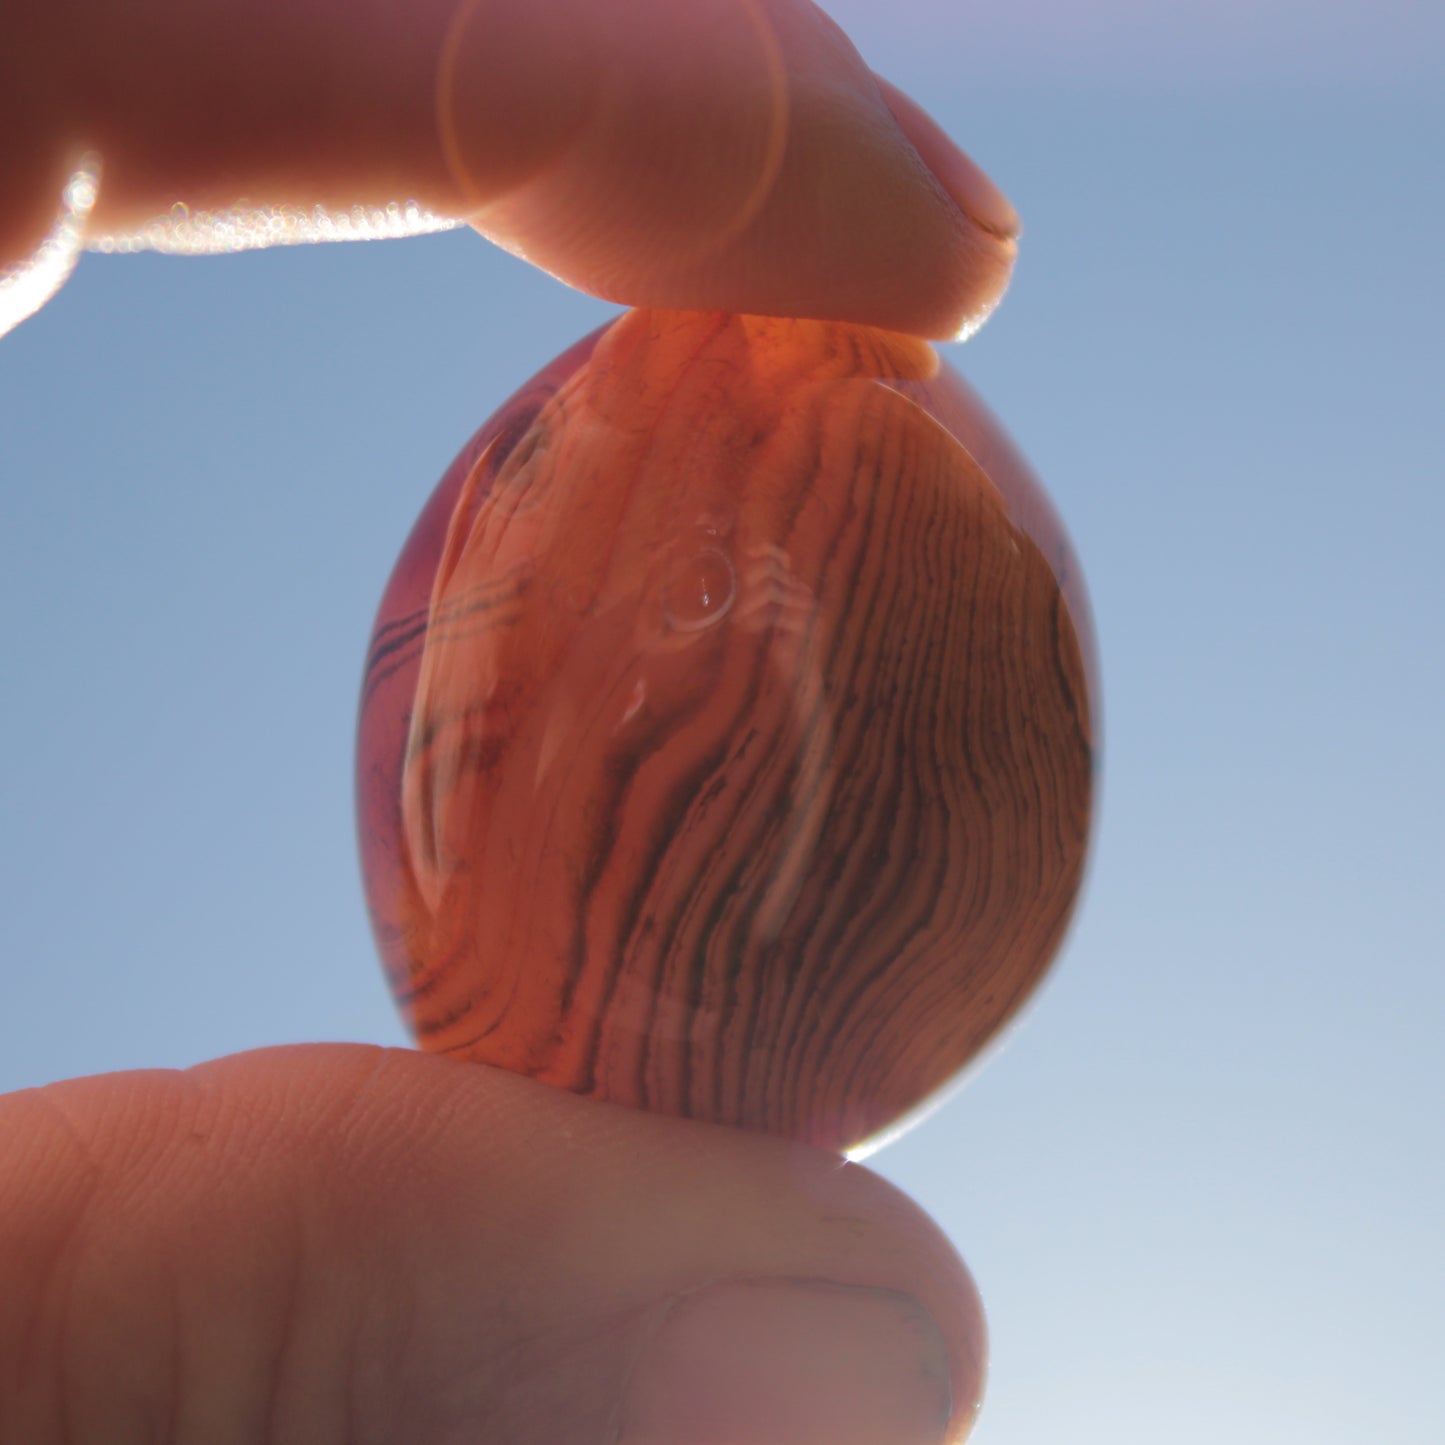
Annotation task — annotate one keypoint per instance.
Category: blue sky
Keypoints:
(1143, 45)
(1202, 1184)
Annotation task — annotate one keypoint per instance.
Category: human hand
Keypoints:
(728, 154)
(337, 1243)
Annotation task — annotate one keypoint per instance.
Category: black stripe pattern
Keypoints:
(725, 744)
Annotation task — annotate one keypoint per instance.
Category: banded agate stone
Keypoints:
(725, 739)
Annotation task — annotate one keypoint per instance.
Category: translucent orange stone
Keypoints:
(725, 742)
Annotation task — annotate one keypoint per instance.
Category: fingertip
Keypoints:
(957, 172)
(740, 156)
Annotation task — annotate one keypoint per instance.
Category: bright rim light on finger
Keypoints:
(184, 232)
(24, 289)
(974, 324)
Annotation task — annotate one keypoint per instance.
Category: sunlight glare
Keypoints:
(184, 232)
(25, 288)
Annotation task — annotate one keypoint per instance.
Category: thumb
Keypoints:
(336, 1243)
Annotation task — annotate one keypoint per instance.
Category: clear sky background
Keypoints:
(1202, 1184)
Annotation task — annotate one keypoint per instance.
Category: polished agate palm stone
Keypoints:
(725, 741)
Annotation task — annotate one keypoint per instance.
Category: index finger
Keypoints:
(735, 154)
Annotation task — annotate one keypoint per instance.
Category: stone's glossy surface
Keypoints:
(725, 742)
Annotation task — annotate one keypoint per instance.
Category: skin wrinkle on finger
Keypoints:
(45, 1251)
(61, 1229)
(145, 1253)
(283, 1351)
(348, 1163)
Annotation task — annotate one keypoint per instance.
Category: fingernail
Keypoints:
(790, 1362)
(972, 191)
